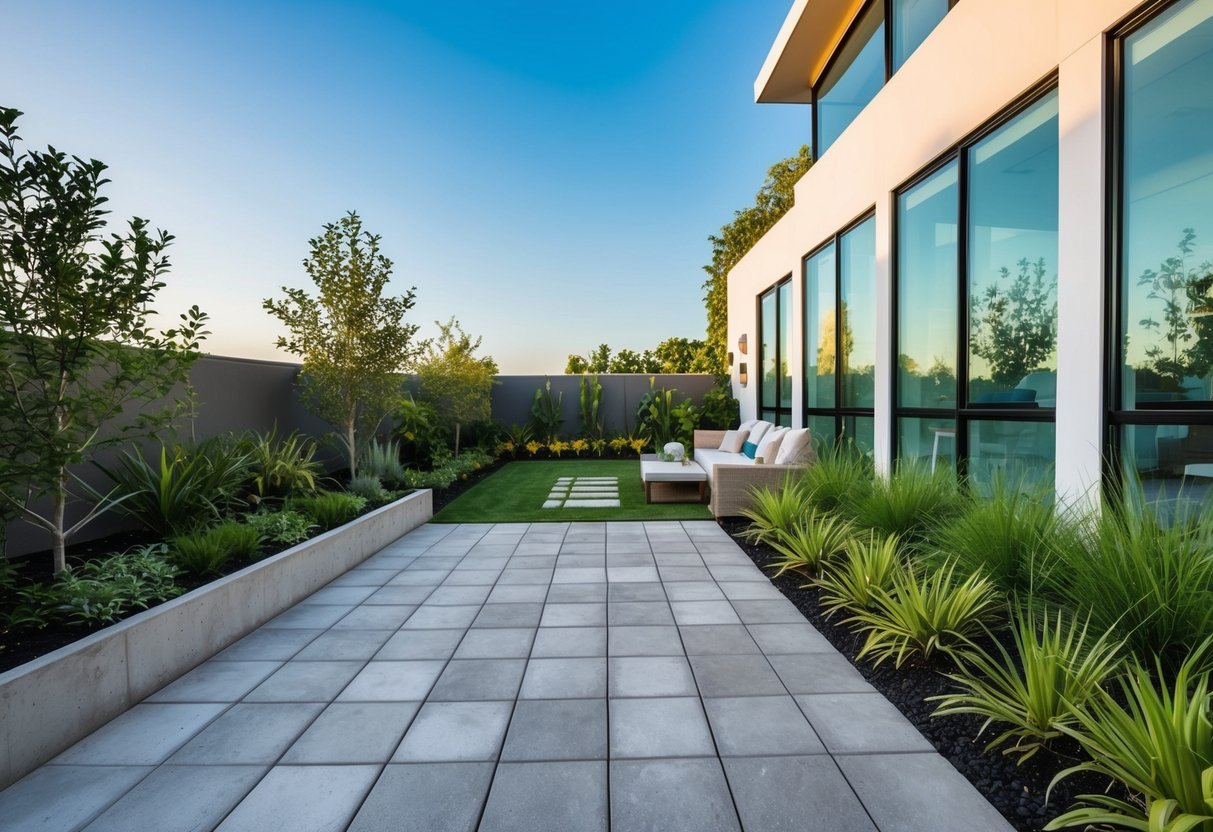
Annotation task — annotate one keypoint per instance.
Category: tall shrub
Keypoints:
(453, 379)
(75, 343)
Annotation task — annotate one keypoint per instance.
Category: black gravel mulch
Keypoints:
(1018, 792)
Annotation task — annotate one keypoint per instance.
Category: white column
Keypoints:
(882, 444)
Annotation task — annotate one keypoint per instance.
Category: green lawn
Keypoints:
(516, 494)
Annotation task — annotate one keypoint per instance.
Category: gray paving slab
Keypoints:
(748, 590)
(688, 613)
(496, 643)
(573, 615)
(310, 617)
(216, 682)
(268, 645)
(298, 681)
(466, 680)
(617, 593)
(819, 673)
(517, 577)
(651, 676)
(145, 735)
(441, 618)
(426, 797)
(547, 797)
(249, 734)
(918, 793)
(523, 593)
(455, 732)
(353, 732)
(343, 645)
(390, 681)
(794, 794)
(303, 799)
(376, 617)
(778, 639)
(577, 593)
(701, 590)
(860, 723)
(717, 640)
(180, 799)
(472, 577)
(644, 641)
(757, 725)
(341, 595)
(652, 795)
(626, 613)
(659, 727)
(557, 729)
(420, 644)
(564, 678)
(569, 642)
(748, 675)
(780, 611)
(509, 615)
(61, 798)
(409, 595)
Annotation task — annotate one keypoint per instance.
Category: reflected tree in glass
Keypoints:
(1014, 322)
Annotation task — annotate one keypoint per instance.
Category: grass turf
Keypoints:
(516, 493)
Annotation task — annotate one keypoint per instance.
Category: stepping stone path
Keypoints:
(584, 492)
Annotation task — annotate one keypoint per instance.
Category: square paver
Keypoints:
(408, 595)
(631, 574)
(420, 644)
(573, 615)
(303, 797)
(618, 593)
(704, 612)
(736, 676)
(674, 574)
(382, 681)
(569, 642)
(179, 799)
(496, 643)
(737, 573)
(749, 590)
(478, 679)
(705, 590)
(145, 735)
(577, 594)
(780, 611)
(659, 727)
(718, 640)
(305, 682)
(866, 723)
(755, 725)
(521, 594)
(249, 735)
(354, 732)
(650, 795)
(819, 673)
(268, 645)
(565, 796)
(60, 798)
(517, 577)
(651, 676)
(376, 617)
(216, 682)
(455, 732)
(428, 797)
(340, 595)
(336, 645)
(579, 575)
(472, 577)
(450, 596)
(580, 562)
(777, 639)
(557, 729)
(644, 641)
(795, 794)
(415, 576)
(441, 618)
(919, 793)
(509, 615)
(568, 678)
(628, 613)
(309, 617)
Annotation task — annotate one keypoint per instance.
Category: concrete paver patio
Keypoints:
(563, 677)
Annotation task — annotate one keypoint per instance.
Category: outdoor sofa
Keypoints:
(734, 474)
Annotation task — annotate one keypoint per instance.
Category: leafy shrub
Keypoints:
(329, 509)
(382, 461)
(774, 511)
(1158, 743)
(1056, 666)
(589, 404)
(421, 432)
(842, 477)
(207, 552)
(282, 528)
(369, 487)
(663, 420)
(457, 468)
(1149, 583)
(719, 410)
(546, 416)
(863, 567)
(810, 541)
(936, 612)
(181, 492)
(1011, 536)
(281, 467)
(910, 504)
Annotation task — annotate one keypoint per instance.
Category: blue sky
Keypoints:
(547, 172)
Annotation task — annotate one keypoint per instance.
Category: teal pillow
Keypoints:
(749, 449)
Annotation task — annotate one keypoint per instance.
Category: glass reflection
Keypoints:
(767, 359)
(858, 315)
(854, 79)
(820, 342)
(913, 20)
(1021, 453)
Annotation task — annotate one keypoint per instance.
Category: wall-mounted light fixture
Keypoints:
(743, 374)
(730, 358)
(743, 344)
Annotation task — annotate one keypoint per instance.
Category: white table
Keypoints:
(652, 470)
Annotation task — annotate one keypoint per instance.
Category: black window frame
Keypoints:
(963, 413)
(838, 411)
(1116, 415)
(779, 410)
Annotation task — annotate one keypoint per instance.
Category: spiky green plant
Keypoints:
(382, 461)
(808, 543)
(207, 552)
(1158, 743)
(865, 564)
(589, 402)
(937, 612)
(841, 477)
(1056, 665)
(329, 509)
(774, 511)
(912, 503)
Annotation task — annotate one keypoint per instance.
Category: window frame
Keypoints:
(778, 409)
(963, 413)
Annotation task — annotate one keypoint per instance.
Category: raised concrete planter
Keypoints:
(50, 703)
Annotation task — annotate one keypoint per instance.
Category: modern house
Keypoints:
(1001, 256)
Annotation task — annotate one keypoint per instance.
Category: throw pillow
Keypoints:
(768, 446)
(734, 440)
(749, 449)
(758, 430)
(748, 424)
(795, 447)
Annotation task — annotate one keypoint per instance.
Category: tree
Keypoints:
(1015, 328)
(737, 237)
(682, 355)
(353, 340)
(673, 355)
(75, 343)
(454, 380)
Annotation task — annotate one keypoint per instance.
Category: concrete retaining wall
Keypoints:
(58, 699)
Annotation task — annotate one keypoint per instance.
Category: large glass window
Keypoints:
(976, 294)
(853, 79)
(913, 20)
(840, 336)
(775, 382)
(1163, 388)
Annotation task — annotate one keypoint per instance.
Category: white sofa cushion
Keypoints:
(707, 458)
(733, 440)
(795, 446)
(768, 447)
(756, 432)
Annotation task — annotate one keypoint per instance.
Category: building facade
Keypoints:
(1000, 259)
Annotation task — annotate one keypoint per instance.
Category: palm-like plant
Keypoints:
(774, 511)
(808, 543)
(863, 567)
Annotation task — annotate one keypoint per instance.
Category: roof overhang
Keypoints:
(809, 35)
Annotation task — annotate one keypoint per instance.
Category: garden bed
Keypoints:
(1018, 792)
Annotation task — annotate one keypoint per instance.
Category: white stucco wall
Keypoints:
(983, 56)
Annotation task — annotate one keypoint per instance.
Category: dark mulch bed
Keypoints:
(1018, 792)
(19, 646)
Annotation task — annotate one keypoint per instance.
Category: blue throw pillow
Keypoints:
(749, 449)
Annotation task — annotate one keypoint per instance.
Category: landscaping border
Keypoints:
(50, 703)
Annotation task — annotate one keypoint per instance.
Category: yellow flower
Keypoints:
(408, 434)
(558, 447)
(579, 445)
(637, 445)
(533, 447)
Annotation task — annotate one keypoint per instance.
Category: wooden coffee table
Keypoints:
(652, 470)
